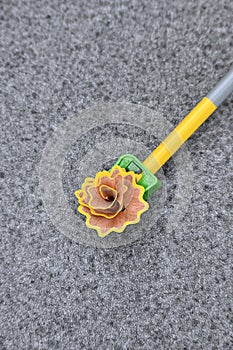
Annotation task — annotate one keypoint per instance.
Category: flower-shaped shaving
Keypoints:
(112, 200)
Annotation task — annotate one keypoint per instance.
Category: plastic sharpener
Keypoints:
(149, 181)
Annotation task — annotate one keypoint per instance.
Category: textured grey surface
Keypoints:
(169, 290)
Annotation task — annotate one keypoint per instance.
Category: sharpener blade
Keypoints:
(149, 181)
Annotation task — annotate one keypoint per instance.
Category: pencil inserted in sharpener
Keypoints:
(148, 180)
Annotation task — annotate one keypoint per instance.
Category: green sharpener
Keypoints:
(148, 180)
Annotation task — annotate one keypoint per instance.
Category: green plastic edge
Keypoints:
(149, 181)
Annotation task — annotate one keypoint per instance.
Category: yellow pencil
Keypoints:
(189, 124)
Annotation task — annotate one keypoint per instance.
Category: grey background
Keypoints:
(168, 291)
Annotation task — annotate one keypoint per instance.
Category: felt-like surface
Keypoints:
(168, 290)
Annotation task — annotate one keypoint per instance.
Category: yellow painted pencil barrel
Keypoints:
(179, 135)
(189, 124)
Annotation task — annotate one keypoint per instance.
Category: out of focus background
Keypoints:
(167, 290)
